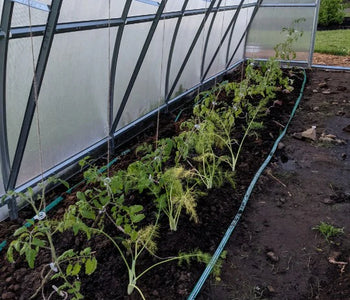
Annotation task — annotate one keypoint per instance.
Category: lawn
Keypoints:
(336, 42)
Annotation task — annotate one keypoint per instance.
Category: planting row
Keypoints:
(174, 172)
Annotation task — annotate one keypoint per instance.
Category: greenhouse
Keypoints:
(97, 96)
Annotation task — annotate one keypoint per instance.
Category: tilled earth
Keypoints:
(275, 253)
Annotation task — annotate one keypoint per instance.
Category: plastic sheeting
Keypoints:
(2, 190)
(1, 5)
(25, 15)
(149, 88)
(73, 104)
(87, 10)
(266, 31)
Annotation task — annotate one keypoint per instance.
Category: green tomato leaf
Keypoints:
(37, 242)
(90, 265)
(137, 218)
(76, 269)
(30, 256)
(135, 209)
(69, 269)
(20, 231)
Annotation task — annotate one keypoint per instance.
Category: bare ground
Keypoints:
(274, 253)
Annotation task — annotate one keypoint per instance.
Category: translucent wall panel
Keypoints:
(73, 100)
(86, 10)
(132, 42)
(173, 6)
(191, 73)
(241, 25)
(19, 77)
(2, 190)
(196, 4)
(287, 1)
(148, 91)
(25, 16)
(1, 5)
(141, 8)
(219, 28)
(266, 31)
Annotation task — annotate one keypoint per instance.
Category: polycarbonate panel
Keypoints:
(2, 190)
(87, 10)
(197, 4)
(19, 77)
(148, 91)
(191, 73)
(73, 101)
(3, 213)
(241, 25)
(235, 2)
(287, 1)
(141, 8)
(132, 42)
(24, 15)
(219, 28)
(1, 5)
(173, 6)
(266, 31)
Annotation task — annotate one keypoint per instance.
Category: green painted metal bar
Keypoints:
(35, 91)
(138, 66)
(4, 40)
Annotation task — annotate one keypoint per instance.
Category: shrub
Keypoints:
(331, 12)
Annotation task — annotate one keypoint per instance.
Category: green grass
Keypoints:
(336, 42)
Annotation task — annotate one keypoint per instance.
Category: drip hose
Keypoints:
(233, 224)
(59, 199)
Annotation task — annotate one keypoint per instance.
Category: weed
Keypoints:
(328, 231)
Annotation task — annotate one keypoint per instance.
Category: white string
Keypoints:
(160, 83)
(109, 87)
(203, 44)
(222, 31)
(35, 86)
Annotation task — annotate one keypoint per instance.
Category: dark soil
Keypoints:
(307, 182)
(274, 253)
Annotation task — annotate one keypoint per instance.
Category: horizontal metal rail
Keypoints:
(301, 5)
(38, 30)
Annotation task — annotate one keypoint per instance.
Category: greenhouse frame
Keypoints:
(78, 75)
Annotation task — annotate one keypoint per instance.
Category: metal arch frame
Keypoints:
(172, 46)
(35, 91)
(231, 25)
(313, 34)
(62, 28)
(207, 39)
(189, 52)
(114, 63)
(256, 8)
(138, 65)
(4, 150)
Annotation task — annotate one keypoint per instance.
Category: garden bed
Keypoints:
(307, 183)
(215, 211)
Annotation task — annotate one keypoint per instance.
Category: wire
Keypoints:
(109, 104)
(35, 86)
(160, 82)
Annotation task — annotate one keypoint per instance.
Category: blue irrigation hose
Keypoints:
(233, 224)
(59, 199)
